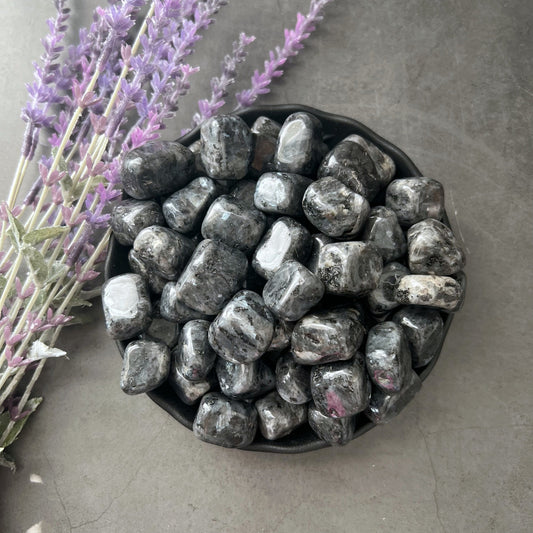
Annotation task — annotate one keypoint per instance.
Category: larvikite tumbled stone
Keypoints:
(233, 223)
(424, 329)
(388, 359)
(349, 268)
(298, 139)
(319, 240)
(334, 209)
(184, 210)
(193, 355)
(163, 250)
(414, 199)
(293, 381)
(442, 292)
(126, 305)
(292, 291)
(145, 366)
(383, 407)
(266, 126)
(225, 422)
(282, 336)
(156, 283)
(243, 191)
(281, 193)
(243, 330)
(433, 249)
(226, 147)
(162, 330)
(213, 275)
(129, 217)
(156, 168)
(188, 391)
(278, 418)
(195, 148)
(171, 308)
(334, 431)
(341, 389)
(383, 230)
(265, 133)
(327, 336)
(286, 239)
(244, 381)
(383, 298)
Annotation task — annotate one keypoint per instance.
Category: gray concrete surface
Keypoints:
(451, 83)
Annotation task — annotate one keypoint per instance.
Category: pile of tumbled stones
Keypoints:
(278, 282)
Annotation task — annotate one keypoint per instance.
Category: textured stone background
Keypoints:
(451, 83)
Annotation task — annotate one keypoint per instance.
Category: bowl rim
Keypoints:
(163, 396)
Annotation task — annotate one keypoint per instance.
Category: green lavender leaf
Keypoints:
(94, 182)
(5, 419)
(42, 234)
(3, 283)
(66, 188)
(37, 265)
(16, 231)
(6, 460)
(56, 270)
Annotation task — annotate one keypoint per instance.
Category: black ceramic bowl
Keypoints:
(335, 129)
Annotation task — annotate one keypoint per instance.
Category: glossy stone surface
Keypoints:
(195, 148)
(129, 217)
(244, 381)
(388, 359)
(292, 291)
(226, 149)
(319, 240)
(162, 330)
(278, 418)
(145, 366)
(297, 141)
(155, 282)
(383, 298)
(230, 221)
(184, 210)
(156, 168)
(171, 308)
(266, 126)
(335, 209)
(126, 305)
(341, 389)
(242, 332)
(265, 133)
(442, 292)
(383, 230)
(334, 431)
(189, 392)
(424, 329)
(225, 422)
(414, 199)
(293, 381)
(286, 239)
(213, 275)
(193, 355)
(349, 268)
(164, 251)
(434, 249)
(327, 336)
(383, 407)
(281, 193)
(243, 191)
(282, 336)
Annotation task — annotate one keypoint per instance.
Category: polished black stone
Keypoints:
(244, 381)
(319, 240)
(129, 217)
(162, 330)
(282, 336)
(293, 381)
(442, 292)
(278, 418)
(383, 298)
(243, 191)
(281, 193)
(156, 283)
(188, 391)
(265, 134)
(171, 308)
(383, 230)
(266, 126)
(334, 431)
(195, 148)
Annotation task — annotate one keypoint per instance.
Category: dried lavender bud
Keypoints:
(383, 298)
(293, 381)
(244, 381)
(129, 217)
(278, 418)
(429, 290)
(281, 193)
(383, 230)
(334, 431)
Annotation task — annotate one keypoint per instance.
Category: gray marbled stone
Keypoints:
(185, 208)
(244, 381)
(195, 148)
(414, 199)
(293, 381)
(341, 389)
(266, 126)
(383, 298)
(189, 392)
(129, 217)
(281, 193)
(145, 366)
(243, 191)
(193, 356)
(265, 133)
(225, 422)
(278, 418)
(383, 407)
(433, 249)
(424, 329)
(298, 139)
(442, 292)
(156, 168)
(162, 250)
(388, 359)
(335, 209)
(285, 240)
(162, 330)
(156, 283)
(226, 147)
(292, 291)
(282, 336)
(349, 268)
(319, 240)
(327, 336)
(171, 308)
(233, 223)
(213, 275)
(383, 230)
(334, 431)
(126, 305)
